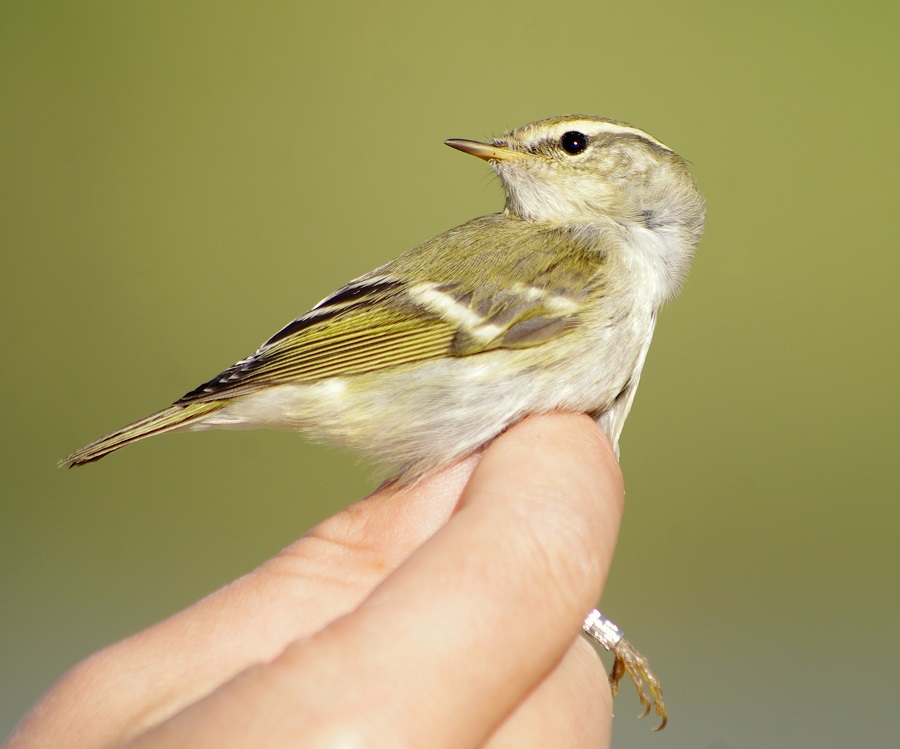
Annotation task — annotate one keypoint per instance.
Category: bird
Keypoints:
(547, 305)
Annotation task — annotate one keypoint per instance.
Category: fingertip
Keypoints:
(570, 456)
(549, 493)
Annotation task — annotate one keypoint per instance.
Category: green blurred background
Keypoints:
(180, 179)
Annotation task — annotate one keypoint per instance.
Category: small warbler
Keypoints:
(549, 305)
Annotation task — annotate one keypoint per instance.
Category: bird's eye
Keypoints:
(573, 142)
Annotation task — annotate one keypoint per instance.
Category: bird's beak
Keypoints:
(484, 151)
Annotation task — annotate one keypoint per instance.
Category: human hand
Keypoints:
(444, 615)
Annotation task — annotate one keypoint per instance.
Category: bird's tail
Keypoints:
(174, 417)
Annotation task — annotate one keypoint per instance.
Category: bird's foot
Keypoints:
(628, 661)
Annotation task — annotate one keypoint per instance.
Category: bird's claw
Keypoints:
(630, 661)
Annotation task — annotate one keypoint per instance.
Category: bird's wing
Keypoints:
(385, 320)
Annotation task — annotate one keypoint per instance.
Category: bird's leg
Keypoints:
(627, 661)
